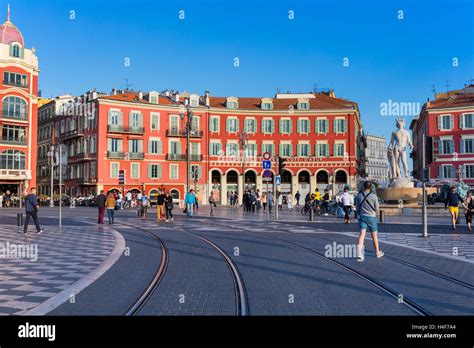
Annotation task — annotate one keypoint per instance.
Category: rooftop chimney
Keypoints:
(140, 95)
(114, 91)
(207, 98)
(176, 97)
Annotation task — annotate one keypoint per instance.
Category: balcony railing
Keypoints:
(19, 117)
(175, 132)
(72, 134)
(13, 141)
(135, 155)
(115, 154)
(15, 174)
(125, 129)
(83, 155)
(21, 85)
(182, 157)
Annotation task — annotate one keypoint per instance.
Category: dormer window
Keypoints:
(266, 104)
(232, 103)
(16, 50)
(303, 104)
(194, 100)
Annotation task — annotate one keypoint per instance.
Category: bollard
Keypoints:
(382, 216)
(311, 214)
(19, 219)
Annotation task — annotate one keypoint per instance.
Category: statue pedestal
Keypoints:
(401, 189)
(402, 183)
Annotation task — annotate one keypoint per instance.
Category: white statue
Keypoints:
(397, 148)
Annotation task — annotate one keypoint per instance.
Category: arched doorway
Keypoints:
(174, 193)
(285, 186)
(304, 178)
(340, 179)
(250, 181)
(232, 181)
(216, 184)
(322, 180)
(153, 194)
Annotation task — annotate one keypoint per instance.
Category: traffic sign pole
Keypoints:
(275, 190)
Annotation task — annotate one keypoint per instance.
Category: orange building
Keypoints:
(144, 134)
(19, 104)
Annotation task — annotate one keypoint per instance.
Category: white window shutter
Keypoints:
(451, 122)
(461, 121)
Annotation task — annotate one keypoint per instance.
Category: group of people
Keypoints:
(8, 199)
(454, 201)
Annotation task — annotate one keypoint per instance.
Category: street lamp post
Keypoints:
(244, 138)
(51, 166)
(189, 118)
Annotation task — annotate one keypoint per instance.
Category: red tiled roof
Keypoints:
(452, 102)
(320, 102)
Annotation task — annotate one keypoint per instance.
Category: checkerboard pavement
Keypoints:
(64, 257)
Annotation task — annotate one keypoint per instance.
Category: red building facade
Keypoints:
(19, 105)
(145, 135)
(449, 120)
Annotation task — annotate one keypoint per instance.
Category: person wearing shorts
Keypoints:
(368, 205)
(452, 204)
(468, 209)
(144, 205)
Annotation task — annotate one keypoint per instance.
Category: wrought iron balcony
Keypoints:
(182, 157)
(115, 154)
(14, 141)
(180, 133)
(125, 129)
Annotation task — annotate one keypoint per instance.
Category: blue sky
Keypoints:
(389, 58)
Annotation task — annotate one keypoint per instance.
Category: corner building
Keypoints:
(144, 134)
(19, 105)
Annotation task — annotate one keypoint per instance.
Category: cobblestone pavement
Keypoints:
(55, 261)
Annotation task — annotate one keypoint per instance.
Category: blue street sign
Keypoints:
(267, 164)
(278, 180)
(267, 173)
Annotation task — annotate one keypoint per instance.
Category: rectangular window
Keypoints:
(445, 122)
(135, 170)
(214, 149)
(286, 150)
(447, 171)
(322, 126)
(447, 147)
(114, 118)
(252, 150)
(154, 171)
(250, 125)
(469, 171)
(195, 172)
(155, 121)
(174, 123)
(285, 126)
(175, 148)
(339, 125)
(155, 147)
(135, 145)
(14, 135)
(114, 145)
(173, 171)
(303, 126)
(268, 127)
(195, 124)
(135, 120)
(214, 124)
(114, 170)
(304, 150)
(14, 79)
(322, 150)
(232, 149)
(232, 125)
(270, 148)
(467, 146)
(467, 121)
(194, 148)
(339, 150)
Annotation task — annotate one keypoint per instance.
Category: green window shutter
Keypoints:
(335, 126)
(237, 125)
(120, 118)
(109, 118)
(280, 149)
(451, 122)
(308, 126)
(273, 126)
(298, 126)
(11, 50)
(149, 171)
(199, 172)
(290, 128)
(326, 126)
(22, 52)
(344, 128)
(160, 147)
(227, 125)
(298, 150)
(119, 145)
(316, 152)
(272, 149)
(159, 170)
(461, 121)
(263, 126)
(291, 150)
(280, 126)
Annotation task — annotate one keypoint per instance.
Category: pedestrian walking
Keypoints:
(289, 202)
(189, 201)
(1, 200)
(270, 201)
(264, 201)
(110, 206)
(326, 201)
(347, 201)
(169, 207)
(259, 200)
(100, 201)
(317, 201)
(280, 200)
(469, 209)
(297, 198)
(145, 204)
(212, 203)
(160, 207)
(452, 204)
(31, 210)
(367, 204)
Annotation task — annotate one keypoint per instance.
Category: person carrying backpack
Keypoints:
(367, 204)
(169, 207)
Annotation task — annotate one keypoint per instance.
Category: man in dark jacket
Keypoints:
(31, 208)
(101, 198)
(452, 203)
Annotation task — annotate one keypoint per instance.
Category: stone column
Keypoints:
(294, 184)
(312, 183)
(223, 189)
(241, 189)
(259, 183)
